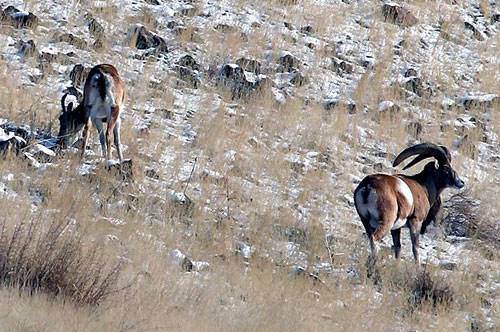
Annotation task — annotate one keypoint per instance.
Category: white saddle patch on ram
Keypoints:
(403, 189)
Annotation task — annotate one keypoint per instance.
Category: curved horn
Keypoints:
(447, 152)
(424, 150)
(63, 102)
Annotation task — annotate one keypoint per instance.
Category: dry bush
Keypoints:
(51, 258)
(463, 217)
(423, 288)
(432, 289)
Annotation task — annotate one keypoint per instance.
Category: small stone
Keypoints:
(447, 265)
(476, 33)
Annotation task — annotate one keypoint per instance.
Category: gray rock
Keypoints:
(79, 74)
(251, 65)
(189, 77)
(240, 83)
(225, 28)
(17, 18)
(140, 38)
(288, 62)
(62, 58)
(476, 33)
(480, 101)
(27, 48)
(341, 66)
(96, 29)
(71, 39)
(396, 14)
(189, 62)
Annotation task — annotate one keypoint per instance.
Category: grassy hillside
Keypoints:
(249, 124)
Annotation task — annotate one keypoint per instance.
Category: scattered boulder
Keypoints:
(225, 28)
(186, 264)
(96, 29)
(152, 2)
(9, 142)
(188, 10)
(140, 38)
(79, 74)
(416, 85)
(124, 170)
(480, 101)
(462, 217)
(307, 29)
(411, 72)
(341, 66)
(250, 65)
(245, 250)
(187, 68)
(415, 129)
(189, 77)
(389, 108)
(17, 18)
(290, 234)
(27, 48)
(396, 14)
(288, 62)
(331, 104)
(495, 18)
(62, 58)
(238, 81)
(298, 79)
(189, 62)
(71, 39)
(476, 33)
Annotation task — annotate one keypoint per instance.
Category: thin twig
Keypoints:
(330, 254)
(190, 176)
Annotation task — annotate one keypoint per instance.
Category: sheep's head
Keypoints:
(444, 175)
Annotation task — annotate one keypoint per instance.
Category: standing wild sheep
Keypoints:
(103, 97)
(389, 202)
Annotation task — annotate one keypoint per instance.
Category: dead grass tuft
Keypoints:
(51, 258)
